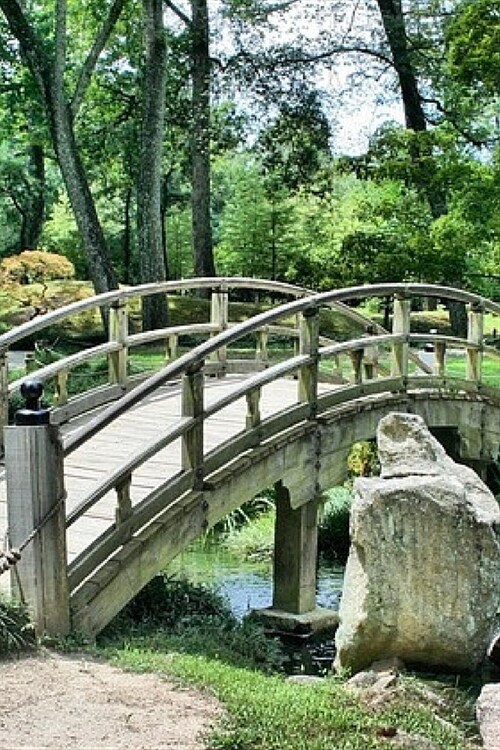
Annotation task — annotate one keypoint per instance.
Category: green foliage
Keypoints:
(295, 145)
(363, 459)
(171, 614)
(16, 632)
(333, 530)
(253, 540)
(473, 43)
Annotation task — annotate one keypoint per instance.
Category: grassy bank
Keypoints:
(271, 713)
(187, 633)
(193, 639)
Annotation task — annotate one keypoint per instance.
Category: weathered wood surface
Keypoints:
(91, 463)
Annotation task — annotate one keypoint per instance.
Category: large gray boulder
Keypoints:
(422, 580)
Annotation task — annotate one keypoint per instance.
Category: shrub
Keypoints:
(35, 266)
(363, 459)
(333, 531)
(171, 614)
(16, 632)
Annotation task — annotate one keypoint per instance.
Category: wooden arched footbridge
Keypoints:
(127, 474)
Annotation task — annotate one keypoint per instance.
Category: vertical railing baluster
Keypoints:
(440, 359)
(308, 374)
(370, 356)
(253, 409)
(30, 363)
(118, 333)
(475, 333)
(62, 388)
(356, 357)
(219, 316)
(261, 353)
(171, 347)
(401, 327)
(192, 406)
(123, 499)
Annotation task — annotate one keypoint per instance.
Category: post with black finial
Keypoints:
(36, 511)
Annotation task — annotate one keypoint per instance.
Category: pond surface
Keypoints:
(247, 585)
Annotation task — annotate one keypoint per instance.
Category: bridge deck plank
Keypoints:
(86, 467)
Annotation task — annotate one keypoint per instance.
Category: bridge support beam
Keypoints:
(294, 571)
(295, 553)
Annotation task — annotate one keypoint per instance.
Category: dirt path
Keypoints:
(69, 703)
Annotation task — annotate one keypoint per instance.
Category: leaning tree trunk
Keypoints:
(96, 252)
(48, 74)
(395, 31)
(200, 142)
(149, 183)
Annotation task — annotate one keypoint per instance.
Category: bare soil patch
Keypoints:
(77, 703)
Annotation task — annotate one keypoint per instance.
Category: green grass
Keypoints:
(456, 367)
(187, 633)
(270, 713)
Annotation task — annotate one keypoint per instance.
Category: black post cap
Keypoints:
(33, 412)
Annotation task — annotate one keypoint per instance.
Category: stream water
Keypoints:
(248, 586)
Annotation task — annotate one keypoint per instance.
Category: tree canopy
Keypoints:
(170, 137)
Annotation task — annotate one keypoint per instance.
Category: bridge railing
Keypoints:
(377, 363)
(122, 341)
(365, 379)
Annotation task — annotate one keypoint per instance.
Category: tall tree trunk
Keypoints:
(200, 141)
(33, 214)
(149, 183)
(127, 237)
(395, 30)
(48, 73)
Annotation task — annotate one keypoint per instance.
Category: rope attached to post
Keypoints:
(11, 557)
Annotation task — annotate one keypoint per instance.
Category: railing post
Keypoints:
(475, 333)
(401, 327)
(440, 359)
(370, 356)
(356, 357)
(171, 348)
(261, 353)
(219, 316)
(35, 508)
(192, 406)
(30, 364)
(4, 397)
(118, 333)
(253, 409)
(308, 374)
(124, 501)
(62, 388)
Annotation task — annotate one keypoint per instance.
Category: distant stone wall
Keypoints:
(423, 576)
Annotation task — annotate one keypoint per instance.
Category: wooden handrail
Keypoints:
(343, 394)
(204, 350)
(144, 290)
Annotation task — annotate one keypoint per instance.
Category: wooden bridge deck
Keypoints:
(109, 449)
